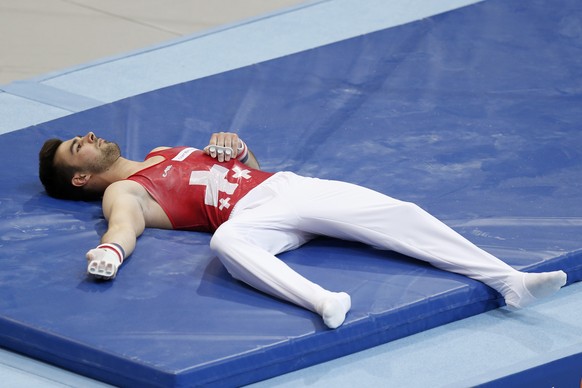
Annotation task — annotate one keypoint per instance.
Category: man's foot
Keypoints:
(334, 308)
(535, 286)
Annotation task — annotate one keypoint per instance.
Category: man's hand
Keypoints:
(224, 146)
(103, 262)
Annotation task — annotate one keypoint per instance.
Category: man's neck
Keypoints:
(122, 169)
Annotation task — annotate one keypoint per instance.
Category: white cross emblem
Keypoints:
(238, 173)
(215, 182)
(224, 203)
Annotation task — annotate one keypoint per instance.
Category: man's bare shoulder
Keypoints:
(124, 187)
(128, 195)
(122, 192)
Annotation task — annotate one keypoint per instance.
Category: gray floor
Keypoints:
(42, 36)
(60, 57)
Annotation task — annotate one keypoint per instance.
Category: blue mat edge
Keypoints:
(371, 332)
(380, 334)
(350, 338)
(561, 372)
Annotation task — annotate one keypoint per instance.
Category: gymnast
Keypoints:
(256, 215)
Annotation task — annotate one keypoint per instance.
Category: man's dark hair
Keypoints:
(57, 178)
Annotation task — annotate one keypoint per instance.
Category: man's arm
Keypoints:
(123, 209)
(252, 161)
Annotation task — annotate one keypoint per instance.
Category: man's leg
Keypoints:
(246, 245)
(351, 212)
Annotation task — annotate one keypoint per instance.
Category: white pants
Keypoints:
(288, 210)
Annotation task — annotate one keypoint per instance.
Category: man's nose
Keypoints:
(90, 137)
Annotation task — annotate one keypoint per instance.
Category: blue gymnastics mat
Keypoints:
(473, 114)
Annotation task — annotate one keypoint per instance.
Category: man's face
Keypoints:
(88, 154)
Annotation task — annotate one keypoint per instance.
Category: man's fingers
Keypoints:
(220, 153)
(210, 150)
(227, 153)
(228, 141)
(222, 146)
(101, 269)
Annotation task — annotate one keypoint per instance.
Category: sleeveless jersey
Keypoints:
(196, 191)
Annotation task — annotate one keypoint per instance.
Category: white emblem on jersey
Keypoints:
(183, 154)
(215, 182)
(224, 203)
(240, 173)
(167, 170)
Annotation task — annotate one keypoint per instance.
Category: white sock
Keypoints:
(535, 286)
(333, 309)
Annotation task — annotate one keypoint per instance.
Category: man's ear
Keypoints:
(80, 179)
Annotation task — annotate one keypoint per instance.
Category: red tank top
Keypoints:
(196, 191)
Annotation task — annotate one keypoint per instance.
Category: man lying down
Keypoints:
(255, 215)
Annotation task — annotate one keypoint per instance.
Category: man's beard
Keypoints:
(110, 152)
